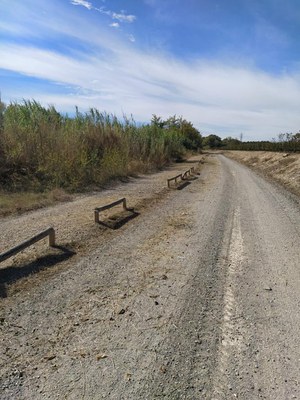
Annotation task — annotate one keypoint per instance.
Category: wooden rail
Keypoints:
(47, 232)
(189, 172)
(182, 177)
(186, 174)
(115, 203)
(175, 178)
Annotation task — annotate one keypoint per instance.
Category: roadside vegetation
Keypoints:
(42, 150)
(285, 142)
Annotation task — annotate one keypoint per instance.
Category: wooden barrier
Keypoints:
(175, 178)
(48, 232)
(183, 176)
(187, 174)
(115, 203)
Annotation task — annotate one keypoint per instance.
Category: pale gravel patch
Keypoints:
(74, 221)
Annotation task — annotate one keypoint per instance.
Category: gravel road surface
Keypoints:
(198, 297)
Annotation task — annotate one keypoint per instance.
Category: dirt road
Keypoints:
(196, 298)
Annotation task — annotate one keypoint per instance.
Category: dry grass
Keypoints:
(41, 149)
(17, 203)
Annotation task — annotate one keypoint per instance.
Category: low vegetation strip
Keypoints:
(281, 167)
(20, 202)
(284, 142)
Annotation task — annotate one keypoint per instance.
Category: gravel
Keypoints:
(175, 304)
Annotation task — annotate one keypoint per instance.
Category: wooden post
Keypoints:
(51, 237)
(96, 215)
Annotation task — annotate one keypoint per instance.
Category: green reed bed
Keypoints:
(41, 149)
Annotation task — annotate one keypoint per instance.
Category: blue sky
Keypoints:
(229, 67)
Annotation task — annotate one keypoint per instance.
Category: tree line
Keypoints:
(285, 142)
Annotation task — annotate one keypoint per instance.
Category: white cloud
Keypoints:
(123, 17)
(115, 25)
(225, 99)
(82, 3)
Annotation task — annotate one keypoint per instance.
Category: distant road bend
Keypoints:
(197, 298)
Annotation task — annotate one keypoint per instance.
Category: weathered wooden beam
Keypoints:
(174, 179)
(115, 203)
(48, 232)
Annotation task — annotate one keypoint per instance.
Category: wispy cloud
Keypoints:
(121, 17)
(228, 98)
(115, 25)
(102, 69)
(82, 3)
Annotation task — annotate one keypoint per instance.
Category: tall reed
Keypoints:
(41, 148)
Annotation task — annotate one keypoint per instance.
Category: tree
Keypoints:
(231, 143)
(157, 121)
(192, 138)
(212, 141)
(296, 137)
(2, 110)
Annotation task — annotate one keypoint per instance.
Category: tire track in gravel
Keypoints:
(260, 357)
(231, 338)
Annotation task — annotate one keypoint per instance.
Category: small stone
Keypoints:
(163, 369)
(101, 357)
(50, 357)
